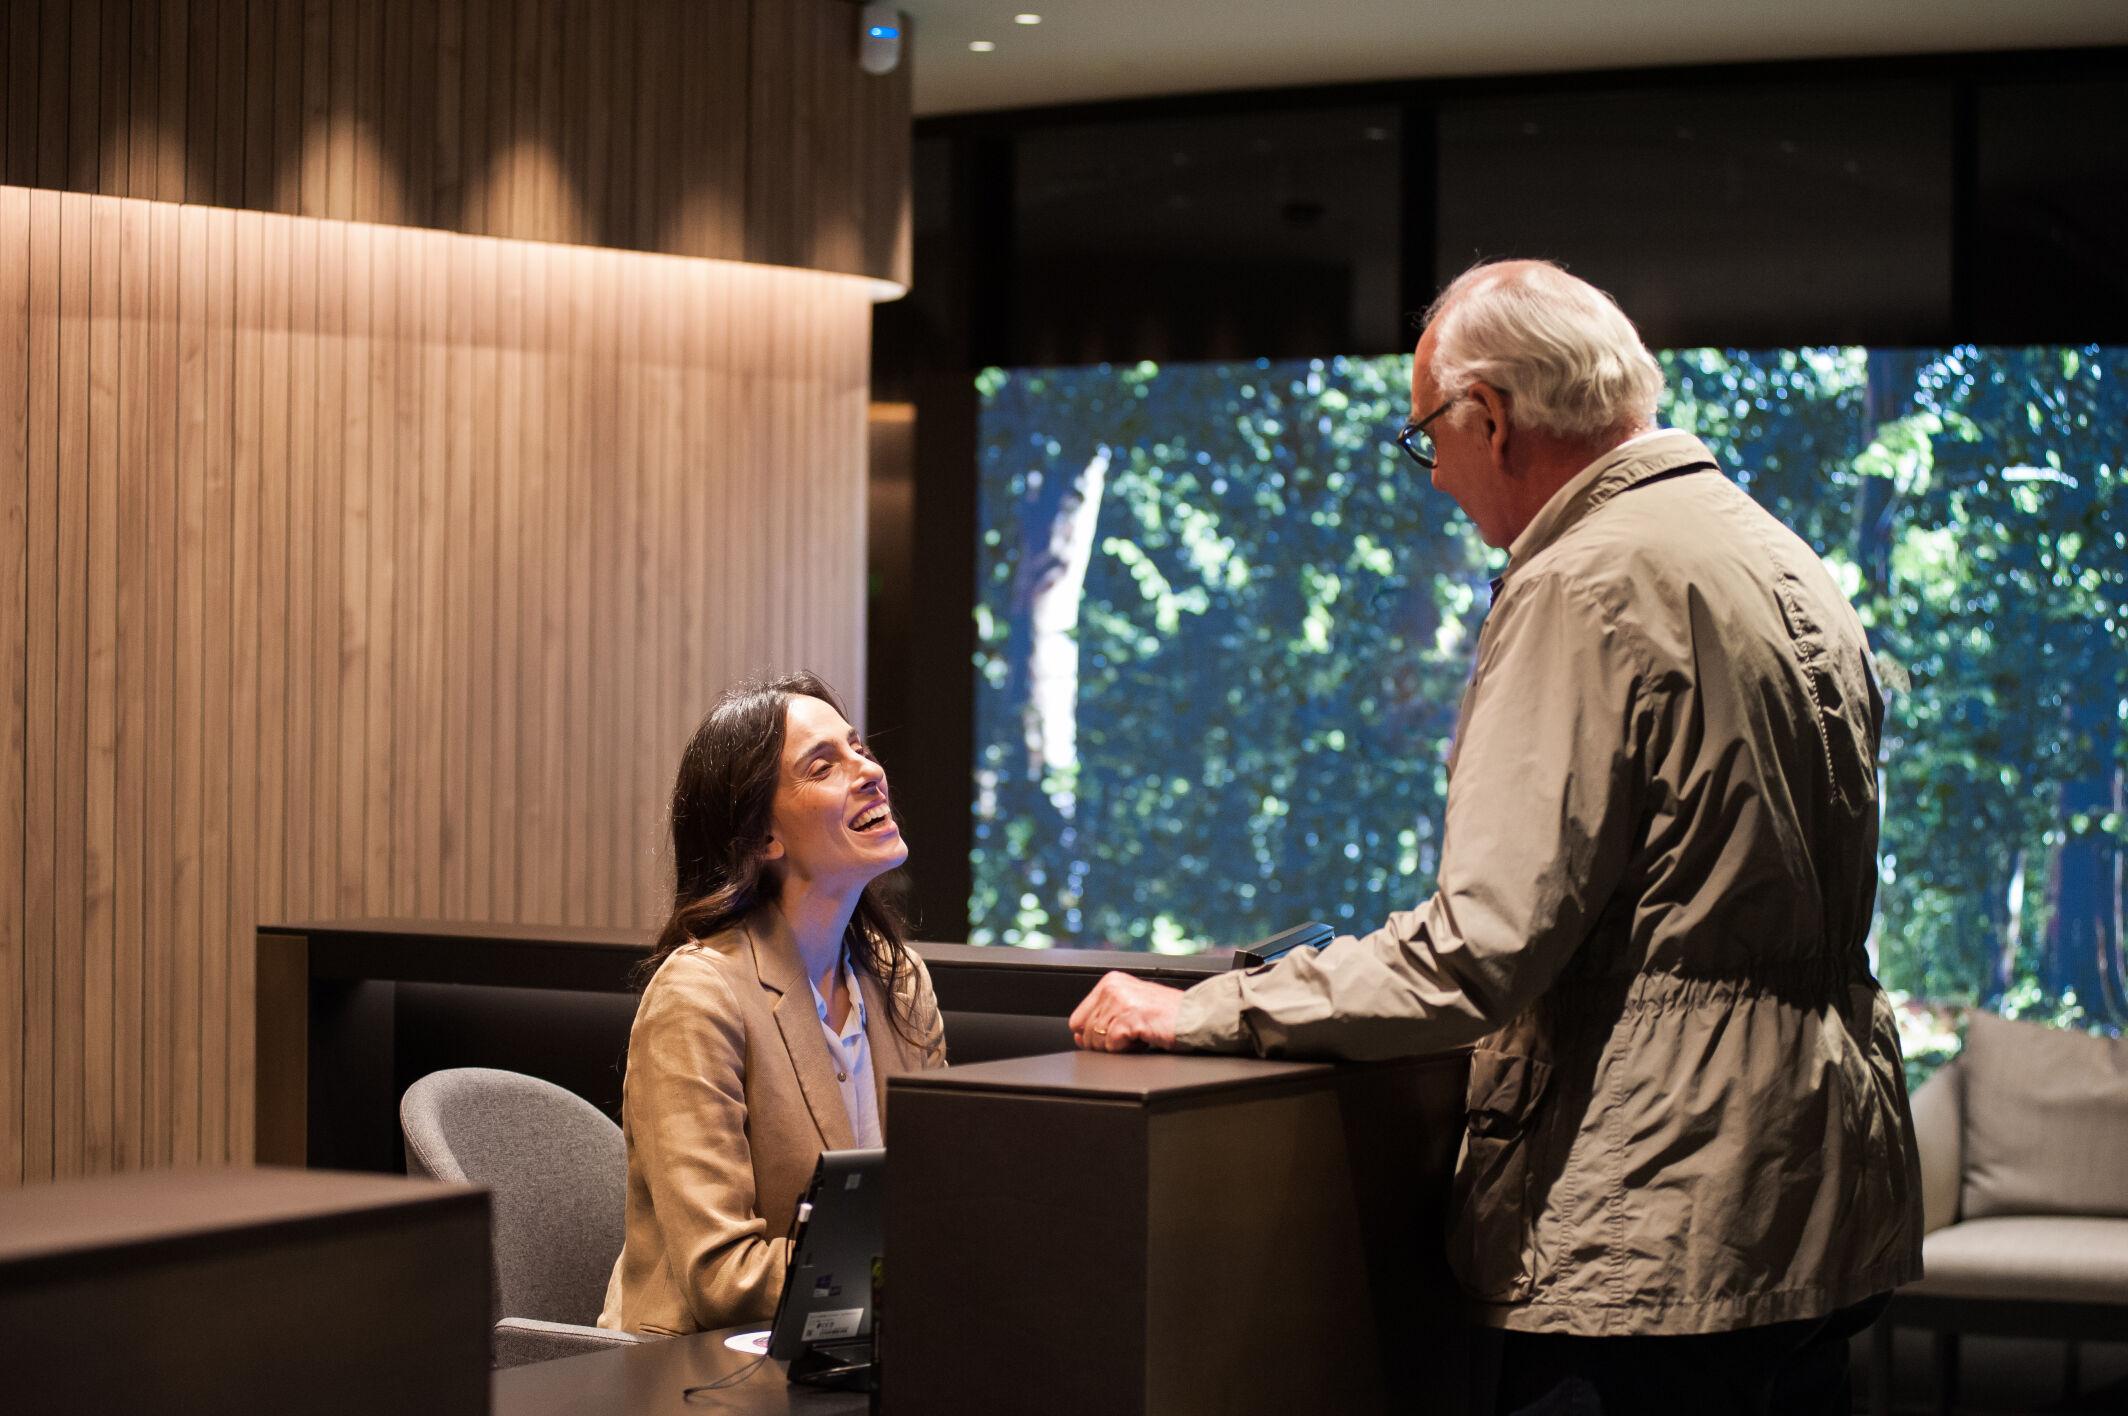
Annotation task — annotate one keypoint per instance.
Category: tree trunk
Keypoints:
(1057, 541)
(2083, 944)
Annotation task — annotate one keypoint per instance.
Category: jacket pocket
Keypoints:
(1492, 1239)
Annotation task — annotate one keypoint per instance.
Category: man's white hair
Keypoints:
(1569, 360)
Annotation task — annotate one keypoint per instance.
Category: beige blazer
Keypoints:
(730, 1098)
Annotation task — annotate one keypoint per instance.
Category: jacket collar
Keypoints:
(1634, 463)
(777, 965)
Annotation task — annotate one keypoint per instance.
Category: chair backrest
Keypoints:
(557, 1170)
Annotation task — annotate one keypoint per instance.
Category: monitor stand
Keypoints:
(842, 1366)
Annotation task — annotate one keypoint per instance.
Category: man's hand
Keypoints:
(1123, 1012)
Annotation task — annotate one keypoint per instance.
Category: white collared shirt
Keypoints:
(852, 1055)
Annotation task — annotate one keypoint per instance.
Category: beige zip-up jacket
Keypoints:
(1686, 1109)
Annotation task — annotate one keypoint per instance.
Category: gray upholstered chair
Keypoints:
(2024, 1193)
(557, 1171)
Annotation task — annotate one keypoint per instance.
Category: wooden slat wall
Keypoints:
(356, 569)
(738, 129)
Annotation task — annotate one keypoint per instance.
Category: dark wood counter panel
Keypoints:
(295, 1292)
(352, 1012)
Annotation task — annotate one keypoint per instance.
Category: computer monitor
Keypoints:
(823, 1324)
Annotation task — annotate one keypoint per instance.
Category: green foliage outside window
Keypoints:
(1224, 628)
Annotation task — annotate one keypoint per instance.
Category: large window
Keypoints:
(1223, 631)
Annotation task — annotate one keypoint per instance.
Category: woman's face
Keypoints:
(830, 825)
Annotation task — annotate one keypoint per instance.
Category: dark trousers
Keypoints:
(1794, 1369)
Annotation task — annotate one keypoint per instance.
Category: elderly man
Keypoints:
(1688, 1173)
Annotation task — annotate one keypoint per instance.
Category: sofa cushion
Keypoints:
(2047, 1258)
(2046, 1120)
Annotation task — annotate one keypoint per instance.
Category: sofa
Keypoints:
(2024, 1171)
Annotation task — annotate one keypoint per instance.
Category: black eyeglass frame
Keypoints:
(1408, 436)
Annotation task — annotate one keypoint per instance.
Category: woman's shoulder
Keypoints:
(714, 968)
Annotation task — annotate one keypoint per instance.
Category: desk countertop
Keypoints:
(652, 1379)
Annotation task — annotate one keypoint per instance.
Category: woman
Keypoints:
(781, 995)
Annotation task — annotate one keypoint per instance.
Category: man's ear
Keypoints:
(1493, 406)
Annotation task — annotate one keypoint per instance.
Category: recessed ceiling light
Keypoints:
(981, 46)
(1024, 19)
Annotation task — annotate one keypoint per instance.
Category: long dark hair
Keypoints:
(721, 810)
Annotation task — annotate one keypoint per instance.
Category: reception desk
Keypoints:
(351, 1013)
(1131, 1235)
(1066, 1232)
(1140, 1234)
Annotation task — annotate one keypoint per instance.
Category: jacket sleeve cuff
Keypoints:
(1210, 1017)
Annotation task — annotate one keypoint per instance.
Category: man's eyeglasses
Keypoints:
(1416, 441)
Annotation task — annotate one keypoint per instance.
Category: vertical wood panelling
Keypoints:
(354, 569)
(351, 693)
(406, 724)
(203, 97)
(70, 824)
(144, 85)
(260, 89)
(525, 533)
(188, 720)
(247, 471)
(273, 298)
(556, 432)
(135, 273)
(343, 121)
(478, 56)
(457, 668)
(658, 588)
(281, 31)
(480, 580)
(232, 36)
(158, 411)
(113, 135)
(327, 507)
(506, 474)
(85, 80)
(314, 140)
(100, 866)
(425, 251)
(40, 1062)
(173, 84)
(14, 648)
(394, 20)
(632, 670)
(218, 315)
(623, 83)
(24, 38)
(54, 71)
(380, 618)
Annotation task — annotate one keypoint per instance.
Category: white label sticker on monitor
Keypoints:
(832, 1323)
